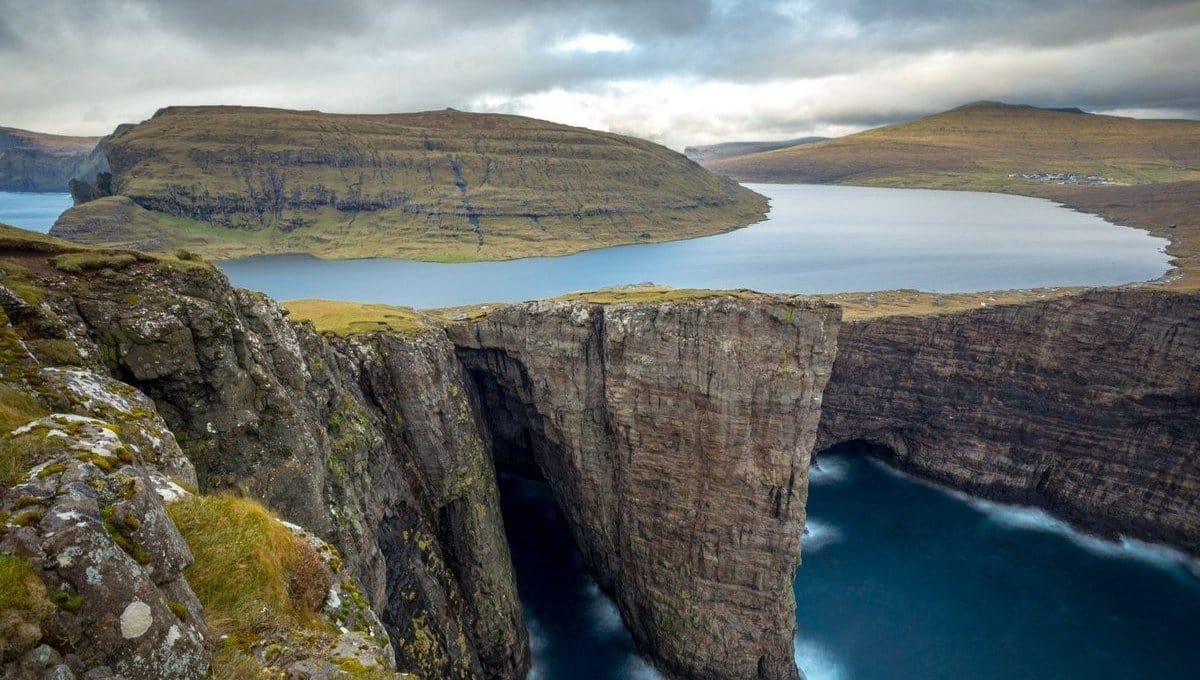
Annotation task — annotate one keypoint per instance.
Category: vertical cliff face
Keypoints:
(675, 438)
(1088, 406)
(340, 438)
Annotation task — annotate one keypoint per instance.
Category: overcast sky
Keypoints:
(677, 71)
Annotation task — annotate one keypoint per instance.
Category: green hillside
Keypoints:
(988, 145)
(442, 185)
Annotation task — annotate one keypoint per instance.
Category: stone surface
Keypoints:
(1088, 406)
(676, 440)
(89, 518)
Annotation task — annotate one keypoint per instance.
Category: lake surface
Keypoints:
(900, 581)
(33, 211)
(817, 239)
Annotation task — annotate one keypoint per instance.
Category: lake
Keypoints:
(817, 239)
(33, 211)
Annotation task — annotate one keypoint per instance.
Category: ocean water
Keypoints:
(817, 239)
(902, 580)
(33, 211)
(575, 630)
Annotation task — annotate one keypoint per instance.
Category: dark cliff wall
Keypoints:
(1088, 406)
(675, 438)
(338, 437)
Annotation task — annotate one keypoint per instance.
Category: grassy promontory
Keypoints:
(441, 185)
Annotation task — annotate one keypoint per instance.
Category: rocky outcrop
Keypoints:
(272, 410)
(275, 411)
(675, 438)
(1088, 406)
(89, 516)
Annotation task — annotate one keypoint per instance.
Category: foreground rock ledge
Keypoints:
(676, 440)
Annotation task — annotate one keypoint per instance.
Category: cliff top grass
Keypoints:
(356, 318)
(439, 185)
(22, 252)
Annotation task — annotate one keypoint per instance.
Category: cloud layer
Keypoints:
(677, 71)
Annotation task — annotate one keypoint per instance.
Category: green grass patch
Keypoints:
(23, 606)
(78, 263)
(355, 318)
(251, 573)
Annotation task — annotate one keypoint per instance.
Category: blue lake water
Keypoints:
(817, 239)
(33, 211)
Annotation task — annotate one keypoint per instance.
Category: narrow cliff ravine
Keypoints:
(1087, 406)
(675, 438)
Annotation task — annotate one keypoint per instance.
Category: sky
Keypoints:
(677, 72)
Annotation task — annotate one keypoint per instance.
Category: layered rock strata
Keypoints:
(675, 438)
(1088, 406)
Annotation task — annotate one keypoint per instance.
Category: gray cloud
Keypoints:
(794, 66)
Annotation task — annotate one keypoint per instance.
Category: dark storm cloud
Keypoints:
(692, 67)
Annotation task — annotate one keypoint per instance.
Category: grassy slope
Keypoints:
(33, 161)
(441, 185)
(978, 147)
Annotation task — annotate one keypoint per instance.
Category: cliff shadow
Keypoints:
(575, 628)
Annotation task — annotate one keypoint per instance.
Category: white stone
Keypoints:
(136, 620)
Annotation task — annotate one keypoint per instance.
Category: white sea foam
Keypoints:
(816, 662)
(1027, 518)
(818, 534)
(828, 470)
(638, 669)
(537, 647)
(1035, 519)
(605, 617)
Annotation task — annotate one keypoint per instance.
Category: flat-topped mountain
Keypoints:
(34, 161)
(439, 185)
(989, 145)
(714, 152)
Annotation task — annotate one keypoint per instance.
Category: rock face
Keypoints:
(1088, 406)
(675, 438)
(271, 409)
(90, 519)
(275, 410)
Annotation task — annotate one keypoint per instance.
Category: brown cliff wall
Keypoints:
(675, 438)
(1088, 406)
(318, 430)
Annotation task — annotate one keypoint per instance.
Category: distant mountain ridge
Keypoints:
(988, 145)
(439, 185)
(714, 152)
(35, 161)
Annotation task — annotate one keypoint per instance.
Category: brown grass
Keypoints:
(355, 318)
(251, 573)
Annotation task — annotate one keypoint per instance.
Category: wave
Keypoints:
(605, 617)
(828, 470)
(816, 662)
(1023, 517)
(638, 669)
(1035, 519)
(818, 534)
